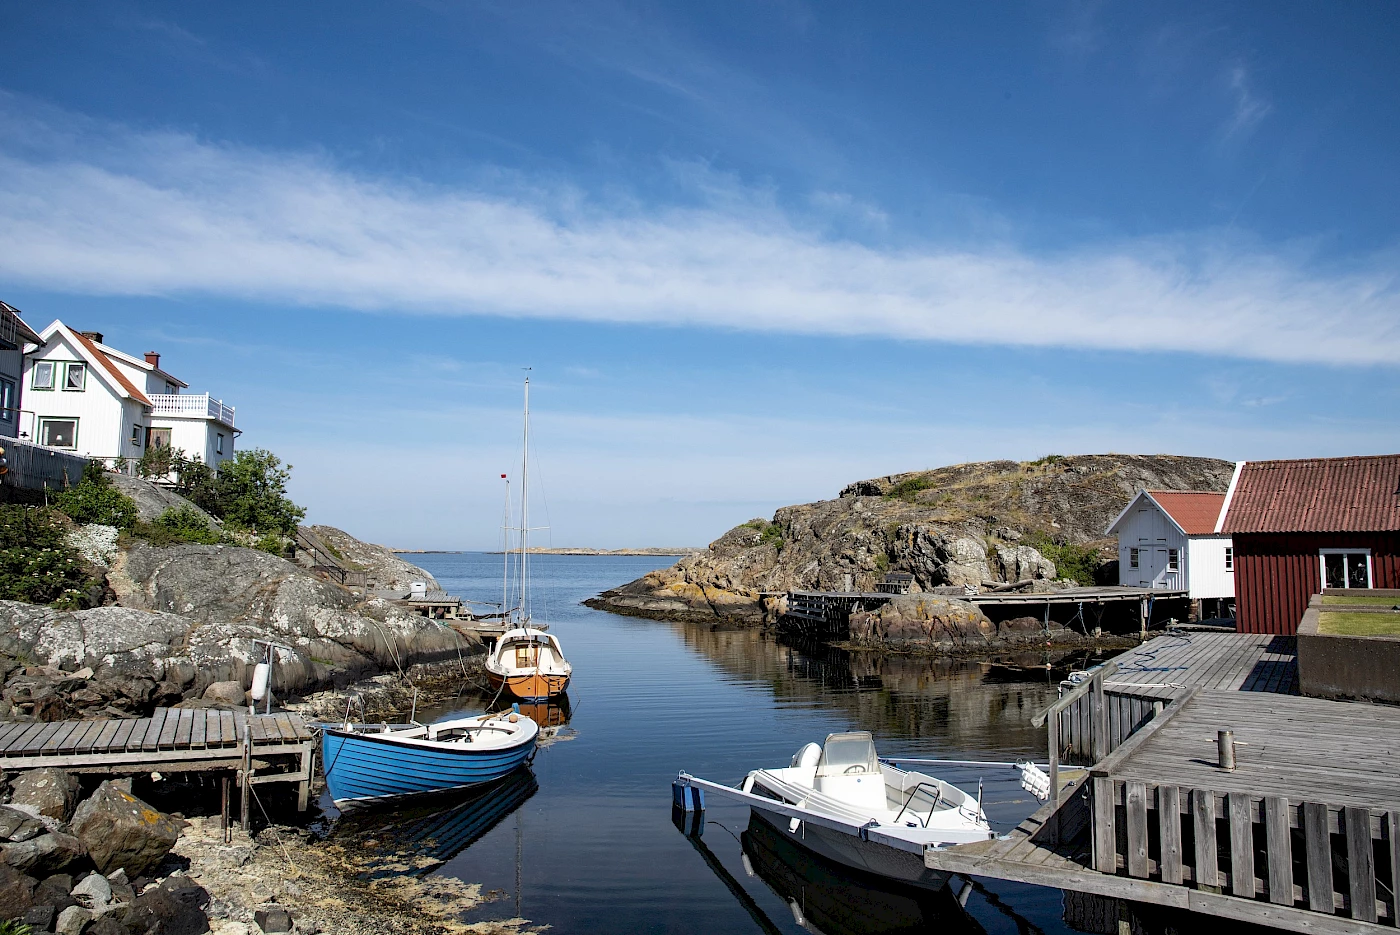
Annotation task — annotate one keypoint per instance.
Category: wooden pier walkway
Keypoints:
(170, 740)
(1303, 834)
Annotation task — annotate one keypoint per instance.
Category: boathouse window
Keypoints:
(7, 401)
(1173, 560)
(1346, 568)
(1132, 558)
(136, 435)
(58, 433)
(219, 444)
(43, 375)
(1229, 558)
(75, 377)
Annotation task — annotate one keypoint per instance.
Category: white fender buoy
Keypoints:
(262, 674)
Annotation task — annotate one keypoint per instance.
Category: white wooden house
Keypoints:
(1167, 539)
(84, 396)
(14, 336)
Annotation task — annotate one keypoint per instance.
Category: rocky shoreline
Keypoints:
(1027, 526)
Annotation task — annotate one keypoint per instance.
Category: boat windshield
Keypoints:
(848, 754)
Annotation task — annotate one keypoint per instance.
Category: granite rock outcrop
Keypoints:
(984, 524)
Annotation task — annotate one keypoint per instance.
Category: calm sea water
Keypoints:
(589, 844)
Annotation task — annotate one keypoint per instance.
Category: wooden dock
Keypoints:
(1303, 834)
(826, 613)
(171, 740)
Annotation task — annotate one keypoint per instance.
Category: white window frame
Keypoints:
(1174, 560)
(1133, 561)
(38, 365)
(9, 392)
(45, 422)
(1230, 559)
(1322, 566)
(219, 443)
(68, 376)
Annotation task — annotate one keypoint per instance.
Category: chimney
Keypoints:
(92, 335)
(153, 358)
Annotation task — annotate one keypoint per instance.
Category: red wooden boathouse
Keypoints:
(1299, 526)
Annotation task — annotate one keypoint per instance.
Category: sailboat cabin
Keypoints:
(1167, 539)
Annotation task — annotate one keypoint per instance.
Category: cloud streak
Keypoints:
(166, 214)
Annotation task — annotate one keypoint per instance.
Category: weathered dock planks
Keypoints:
(1303, 834)
(170, 740)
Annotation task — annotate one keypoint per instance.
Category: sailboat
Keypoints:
(526, 661)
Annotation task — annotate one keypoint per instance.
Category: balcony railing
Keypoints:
(200, 405)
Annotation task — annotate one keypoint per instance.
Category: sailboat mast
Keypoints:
(505, 553)
(525, 509)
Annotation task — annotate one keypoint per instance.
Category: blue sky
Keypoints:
(752, 251)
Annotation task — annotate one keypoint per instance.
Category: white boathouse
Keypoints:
(1167, 539)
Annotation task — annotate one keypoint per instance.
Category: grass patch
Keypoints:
(1344, 624)
(909, 488)
(1360, 600)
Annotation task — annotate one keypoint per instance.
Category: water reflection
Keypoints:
(830, 899)
(419, 837)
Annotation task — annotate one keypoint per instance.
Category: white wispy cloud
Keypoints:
(1249, 106)
(103, 210)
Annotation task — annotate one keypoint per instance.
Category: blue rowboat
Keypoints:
(368, 763)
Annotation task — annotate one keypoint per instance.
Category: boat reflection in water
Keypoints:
(420, 837)
(552, 716)
(833, 899)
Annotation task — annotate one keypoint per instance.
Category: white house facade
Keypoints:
(87, 397)
(14, 336)
(1167, 539)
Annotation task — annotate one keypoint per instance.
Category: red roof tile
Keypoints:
(112, 369)
(1194, 511)
(1317, 495)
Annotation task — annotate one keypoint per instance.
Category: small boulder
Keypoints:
(72, 920)
(38, 918)
(120, 830)
(229, 693)
(176, 907)
(16, 825)
(55, 891)
(108, 925)
(48, 853)
(273, 920)
(16, 889)
(94, 891)
(51, 790)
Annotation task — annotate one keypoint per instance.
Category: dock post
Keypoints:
(1052, 729)
(304, 786)
(246, 774)
(1098, 717)
(1225, 742)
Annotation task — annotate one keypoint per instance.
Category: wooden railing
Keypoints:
(1310, 855)
(191, 404)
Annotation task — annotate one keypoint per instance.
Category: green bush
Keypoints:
(772, 535)
(36, 564)
(180, 524)
(158, 460)
(94, 500)
(273, 543)
(252, 493)
(197, 483)
(1080, 562)
(908, 489)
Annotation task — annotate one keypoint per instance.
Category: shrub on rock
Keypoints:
(121, 831)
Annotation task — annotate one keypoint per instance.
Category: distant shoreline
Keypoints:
(543, 551)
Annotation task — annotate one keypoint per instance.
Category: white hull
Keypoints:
(850, 851)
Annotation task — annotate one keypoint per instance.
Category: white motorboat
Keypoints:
(838, 800)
